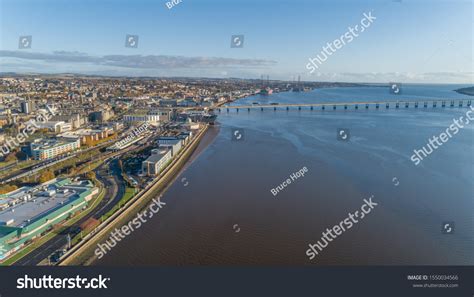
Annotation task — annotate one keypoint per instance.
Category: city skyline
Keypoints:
(172, 147)
(89, 38)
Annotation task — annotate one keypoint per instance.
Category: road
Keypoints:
(115, 188)
(160, 184)
(46, 163)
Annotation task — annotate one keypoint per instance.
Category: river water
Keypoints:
(226, 214)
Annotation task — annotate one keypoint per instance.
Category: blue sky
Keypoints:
(410, 41)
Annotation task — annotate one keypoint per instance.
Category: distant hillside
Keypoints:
(466, 91)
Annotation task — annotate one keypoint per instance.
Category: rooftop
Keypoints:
(156, 157)
(49, 143)
(27, 204)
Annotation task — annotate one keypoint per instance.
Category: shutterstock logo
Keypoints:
(346, 38)
(49, 282)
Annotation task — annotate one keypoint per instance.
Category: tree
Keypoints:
(91, 175)
(72, 169)
(21, 155)
(7, 189)
(11, 157)
(46, 176)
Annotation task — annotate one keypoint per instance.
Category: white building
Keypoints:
(151, 118)
(51, 148)
(55, 126)
(173, 144)
(156, 162)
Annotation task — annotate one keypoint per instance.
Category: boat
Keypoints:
(266, 91)
(297, 89)
(196, 117)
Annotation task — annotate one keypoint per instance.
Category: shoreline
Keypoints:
(469, 91)
(199, 240)
(84, 254)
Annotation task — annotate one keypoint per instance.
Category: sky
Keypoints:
(409, 41)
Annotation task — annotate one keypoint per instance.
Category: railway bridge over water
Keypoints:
(400, 104)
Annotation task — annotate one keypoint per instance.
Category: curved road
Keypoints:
(115, 188)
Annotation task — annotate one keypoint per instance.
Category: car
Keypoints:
(56, 256)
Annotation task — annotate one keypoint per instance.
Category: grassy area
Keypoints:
(83, 255)
(20, 165)
(85, 168)
(87, 156)
(101, 141)
(88, 167)
(7, 188)
(129, 193)
(3, 163)
(42, 240)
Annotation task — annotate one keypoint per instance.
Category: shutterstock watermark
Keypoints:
(30, 128)
(131, 137)
(338, 43)
(292, 178)
(119, 234)
(173, 3)
(49, 282)
(434, 142)
(343, 226)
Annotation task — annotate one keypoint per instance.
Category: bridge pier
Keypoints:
(469, 103)
(346, 106)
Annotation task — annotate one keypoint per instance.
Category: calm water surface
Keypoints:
(230, 182)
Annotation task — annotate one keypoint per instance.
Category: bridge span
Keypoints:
(353, 105)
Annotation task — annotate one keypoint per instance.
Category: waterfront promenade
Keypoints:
(82, 252)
